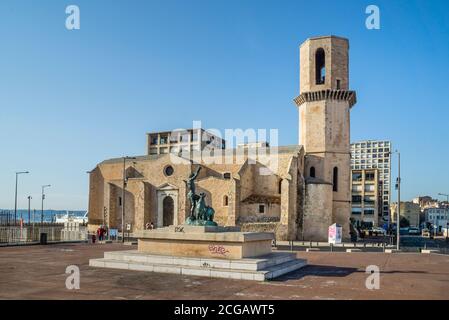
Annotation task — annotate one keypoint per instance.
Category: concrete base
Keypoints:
(204, 242)
(258, 269)
(104, 241)
(312, 249)
(353, 250)
(430, 251)
(392, 251)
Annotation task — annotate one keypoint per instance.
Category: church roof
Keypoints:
(293, 149)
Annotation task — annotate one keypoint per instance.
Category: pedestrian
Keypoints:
(102, 233)
(147, 226)
(152, 225)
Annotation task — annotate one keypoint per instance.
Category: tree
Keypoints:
(404, 223)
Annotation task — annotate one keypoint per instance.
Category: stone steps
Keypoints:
(253, 264)
(257, 269)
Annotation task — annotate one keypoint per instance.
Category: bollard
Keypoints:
(310, 244)
(291, 245)
(332, 247)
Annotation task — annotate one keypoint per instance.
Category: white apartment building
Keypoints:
(438, 217)
(375, 154)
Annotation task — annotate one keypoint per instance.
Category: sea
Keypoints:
(35, 215)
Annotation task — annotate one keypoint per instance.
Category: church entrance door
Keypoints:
(167, 206)
(168, 211)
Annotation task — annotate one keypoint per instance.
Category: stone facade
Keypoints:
(324, 110)
(290, 201)
(409, 211)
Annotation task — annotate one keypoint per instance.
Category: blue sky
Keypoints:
(69, 99)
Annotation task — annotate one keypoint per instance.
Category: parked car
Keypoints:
(378, 231)
(425, 233)
(413, 231)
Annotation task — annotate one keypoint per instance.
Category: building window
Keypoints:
(261, 208)
(153, 140)
(369, 176)
(335, 180)
(280, 186)
(320, 66)
(227, 175)
(225, 201)
(168, 171)
(338, 84)
(163, 139)
(174, 138)
(356, 176)
(312, 172)
(120, 201)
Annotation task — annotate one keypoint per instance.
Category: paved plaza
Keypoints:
(38, 272)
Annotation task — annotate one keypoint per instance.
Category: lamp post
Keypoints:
(29, 209)
(123, 194)
(398, 187)
(43, 197)
(15, 202)
(447, 214)
(446, 195)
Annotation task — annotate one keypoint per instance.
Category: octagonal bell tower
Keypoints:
(324, 130)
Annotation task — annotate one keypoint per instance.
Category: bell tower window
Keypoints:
(312, 172)
(320, 66)
(335, 180)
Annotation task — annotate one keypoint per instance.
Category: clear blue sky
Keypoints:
(69, 99)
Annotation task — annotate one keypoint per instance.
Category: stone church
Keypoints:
(306, 192)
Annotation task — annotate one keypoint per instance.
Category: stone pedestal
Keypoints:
(208, 251)
(205, 242)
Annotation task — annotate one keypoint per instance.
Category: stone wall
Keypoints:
(317, 211)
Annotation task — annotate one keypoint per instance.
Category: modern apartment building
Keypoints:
(366, 197)
(190, 140)
(375, 154)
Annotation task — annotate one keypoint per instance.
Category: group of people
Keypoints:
(101, 233)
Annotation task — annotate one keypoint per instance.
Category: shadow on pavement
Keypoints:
(317, 271)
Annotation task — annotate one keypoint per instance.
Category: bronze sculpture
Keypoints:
(200, 213)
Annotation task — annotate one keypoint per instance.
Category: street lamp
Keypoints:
(398, 187)
(123, 194)
(15, 202)
(447, 214)
(446, 195)
(43, 197)
(29, 210)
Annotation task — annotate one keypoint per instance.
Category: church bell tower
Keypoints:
(324, 116)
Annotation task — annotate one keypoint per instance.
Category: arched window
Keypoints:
(312, 172)
(320, 66)
(225, 201)
(280, 186)
(335, 179)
